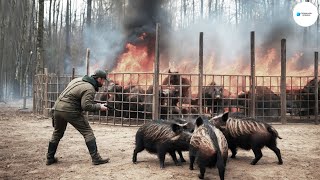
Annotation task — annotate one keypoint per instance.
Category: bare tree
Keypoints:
(49, 24)
(89, 3)
(2, 32)
(67, 56)
(210, 8)
(40, 63)
(201, 8)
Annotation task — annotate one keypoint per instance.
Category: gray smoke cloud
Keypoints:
(228, 44)
(105, 44)
(225, 42)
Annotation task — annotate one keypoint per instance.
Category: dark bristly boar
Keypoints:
(209, 147)
(161, 137)
(247, 134)
(212, 97)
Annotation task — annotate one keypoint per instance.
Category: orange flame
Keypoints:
(136, 59)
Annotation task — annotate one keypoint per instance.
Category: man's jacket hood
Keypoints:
(92, 81)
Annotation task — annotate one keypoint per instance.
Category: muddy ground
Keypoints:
(25, 136)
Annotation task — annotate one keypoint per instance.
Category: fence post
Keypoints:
(253, 76)
(73, 73)
(45, 93)
(283, 82)
(200, 72)
(316, 88)
(87, 65)
(88, 61)
(155, 105)
(34, 90)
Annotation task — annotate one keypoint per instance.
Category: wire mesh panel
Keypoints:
(56, 84)
(130, 96)
(300, 98)
(223, 93)
(47, 89)
(268, 104)
(178, 95)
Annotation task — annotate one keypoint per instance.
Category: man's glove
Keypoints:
(109, 107)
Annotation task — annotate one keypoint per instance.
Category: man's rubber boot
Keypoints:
(51, 152)
(93, 150)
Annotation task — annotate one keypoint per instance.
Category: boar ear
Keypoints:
(176, 128)
(225, 116)
(199, 121)
(169, 71)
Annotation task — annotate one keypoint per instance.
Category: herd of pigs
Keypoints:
(207, 140)
(136, 102)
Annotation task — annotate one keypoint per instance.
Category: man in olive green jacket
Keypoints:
(77, 97)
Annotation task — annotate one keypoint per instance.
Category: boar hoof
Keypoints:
(280, 163)
(201, 176)
(233, 156)
(253, 163)
(178, 163)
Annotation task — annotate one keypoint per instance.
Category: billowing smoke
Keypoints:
(104, 44)
(140, 23)
(227, 44)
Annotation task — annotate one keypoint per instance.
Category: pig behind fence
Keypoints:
(175, 80)
(209, 147)
(162, 137)
(247, 134)
(212, 98)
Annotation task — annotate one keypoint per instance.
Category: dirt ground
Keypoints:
(25, 136)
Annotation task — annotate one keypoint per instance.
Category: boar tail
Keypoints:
(273, 132)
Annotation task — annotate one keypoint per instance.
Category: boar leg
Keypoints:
(139, 148)
(161, 156)
(202, 171)
(192, 157)
(174, 158)
(258, 154)
(234, 152)
(181, 157)
(221, 166)
(277, 151)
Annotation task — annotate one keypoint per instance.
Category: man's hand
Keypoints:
(103, 107)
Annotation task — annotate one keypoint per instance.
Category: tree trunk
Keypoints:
(216, 8)
(193, 11)
(40, 63)
(1, 55)
(181, 15)
(67, 58)
(31, 43)
(89, 4)
(184, 12)
(49, 25)
(210, 8)
(201, 8)
(237, 11)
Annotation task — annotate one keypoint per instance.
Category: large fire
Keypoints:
(137, 61)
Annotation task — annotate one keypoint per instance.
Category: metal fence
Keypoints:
(134, 97)
(131, 97)
(47, 88)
